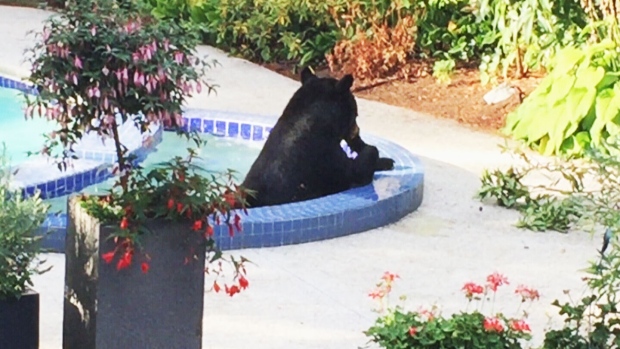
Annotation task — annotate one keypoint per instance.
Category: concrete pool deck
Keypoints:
(315, 295)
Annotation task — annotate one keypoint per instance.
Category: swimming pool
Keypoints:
(217, 156)
(391, 196)
(19, 135)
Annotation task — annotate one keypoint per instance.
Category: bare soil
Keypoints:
(461, 99)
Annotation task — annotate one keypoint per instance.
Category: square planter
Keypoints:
(105, 308)
(19, 321)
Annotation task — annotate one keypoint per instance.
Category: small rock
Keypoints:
(499, 94)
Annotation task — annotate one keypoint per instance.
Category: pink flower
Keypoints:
(178, 57)
(77, 62)
(493, 325)
(93, 30)
(471, 288)
(520, 326)
(527, 293)
(495, 280)
(389, 277)
(413, 331)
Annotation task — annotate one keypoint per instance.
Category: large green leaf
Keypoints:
(560, 88)
(566, 60)
(606, 110)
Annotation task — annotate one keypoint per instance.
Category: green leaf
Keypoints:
(566, 60)
(606, 110)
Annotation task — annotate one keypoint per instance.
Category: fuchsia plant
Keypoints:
(100, 63)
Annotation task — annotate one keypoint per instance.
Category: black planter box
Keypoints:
(19, 322)
(108, 309)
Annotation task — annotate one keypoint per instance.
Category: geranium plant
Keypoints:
(101, 63)
(398, 328)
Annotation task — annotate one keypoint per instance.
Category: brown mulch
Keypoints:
(460, 100)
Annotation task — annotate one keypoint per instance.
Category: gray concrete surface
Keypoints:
(315, 295)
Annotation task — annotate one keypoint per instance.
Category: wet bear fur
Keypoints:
(302, 157)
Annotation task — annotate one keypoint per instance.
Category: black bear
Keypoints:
(302, 158)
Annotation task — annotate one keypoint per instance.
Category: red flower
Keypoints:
(179, 207)
(412, 331)
(389, 277)
(170, 204)
(232, 290)
(378, 293)
(519, 326)
(238, 222)
(197, 225)
(231, 231)
(125, 261)
(527, 293)
(108, 257)
(209, 231)
(230, 199)
(496, 279)
(145, 267)
(216, 287)
(124, 223)
(243, 282)
(493, 325)
(181, 176)
(471, 288)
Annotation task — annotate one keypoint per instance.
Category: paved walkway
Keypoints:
(315, 295)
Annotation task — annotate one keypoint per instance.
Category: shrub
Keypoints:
(20, 219)
(575, 106)
(381, 51)
(103, 63)
(527, 34)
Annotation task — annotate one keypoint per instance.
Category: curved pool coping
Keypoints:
(391, 196)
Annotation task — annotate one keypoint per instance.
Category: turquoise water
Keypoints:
(19, 135)
(218, 155)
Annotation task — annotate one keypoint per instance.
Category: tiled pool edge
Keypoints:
(97, 171)
(338, 215)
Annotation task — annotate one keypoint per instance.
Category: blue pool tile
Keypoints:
(220, 128)
(246, 131)
(207, 126)
(195, 124)
(257, 135)
(233, 129)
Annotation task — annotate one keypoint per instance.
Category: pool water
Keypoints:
(18, 134)
(217, 156)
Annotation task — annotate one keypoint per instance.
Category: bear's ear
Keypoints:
(345, 83)
(306, 75)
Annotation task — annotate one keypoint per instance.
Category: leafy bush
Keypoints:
(591, 321)
(20, 218)
(378, 52)
(575, 106)
(102, 63)
(397, 328)
(528, 33)
(451, 29)
(579, 193)
(264, 31)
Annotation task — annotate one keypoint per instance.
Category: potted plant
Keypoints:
(20, 218)
(136, 257)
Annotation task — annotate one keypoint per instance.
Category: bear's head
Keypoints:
(332, 98)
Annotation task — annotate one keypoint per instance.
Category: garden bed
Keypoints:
(460, 100)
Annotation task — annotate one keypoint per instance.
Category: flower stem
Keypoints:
(120, 158)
